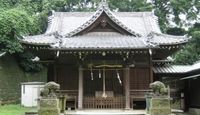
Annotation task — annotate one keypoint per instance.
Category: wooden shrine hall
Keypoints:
(103, 59)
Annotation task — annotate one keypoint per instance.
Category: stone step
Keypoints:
(31, 113)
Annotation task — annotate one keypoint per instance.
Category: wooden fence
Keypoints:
(104, 103)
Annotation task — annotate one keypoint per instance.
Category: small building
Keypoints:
(103, 59)
(30, 92)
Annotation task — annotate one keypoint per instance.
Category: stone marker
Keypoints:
(160, 106)
(159, 100)
(49, 103)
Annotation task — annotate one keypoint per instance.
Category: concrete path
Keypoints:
(106, 112)
(115, 112)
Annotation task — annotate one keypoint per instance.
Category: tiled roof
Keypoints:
(43, 39)
(103, 40)
(103, 8)
(70, 23)
(173, 69)
(142, 26)
(99, 40)
(139, 22)
(164, 39)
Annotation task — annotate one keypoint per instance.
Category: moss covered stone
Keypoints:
(160, 105)
(49, 107)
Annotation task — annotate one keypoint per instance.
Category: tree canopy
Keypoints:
(13, 23)
(181, 13)
(191, 53)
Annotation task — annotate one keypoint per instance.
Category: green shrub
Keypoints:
(27, 64)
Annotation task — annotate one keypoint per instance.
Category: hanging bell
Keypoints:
(92, 77)
(99, 73)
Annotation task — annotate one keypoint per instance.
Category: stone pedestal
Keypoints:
(62, 105)
(160, 106)
(148, 101)
(49, 107)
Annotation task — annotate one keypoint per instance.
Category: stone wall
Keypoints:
(11, 76)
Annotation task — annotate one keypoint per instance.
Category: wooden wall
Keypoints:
(139, 78)
(194, 93)
(67, 77)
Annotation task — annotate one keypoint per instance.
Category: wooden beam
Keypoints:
(80, 88)
(127, 87)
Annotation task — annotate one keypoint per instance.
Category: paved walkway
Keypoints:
(110, 112)
(106, 112)
(115, 112)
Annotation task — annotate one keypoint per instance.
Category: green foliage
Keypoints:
(186, 56)
(5, 4)
(14, 110)
(27, 64)
(176, 31)
(161, 10)
(130, 5)
(57, 5)
(11, 75)
(13, 24)
(191, 53)
(174, 8)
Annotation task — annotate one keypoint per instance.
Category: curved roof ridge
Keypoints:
(103, 7)
(85, 24)
(149, 23)
(53, 23)
(165, 39)
(49, 28)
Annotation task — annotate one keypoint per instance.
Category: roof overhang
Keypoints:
(2, 54)
(191, 77)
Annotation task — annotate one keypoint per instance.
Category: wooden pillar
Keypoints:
(80, 88)
(55, 73)
(127, 87)
(50, 72)
(150, 66)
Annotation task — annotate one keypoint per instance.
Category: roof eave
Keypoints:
(36, 44)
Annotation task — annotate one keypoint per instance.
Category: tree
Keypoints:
(130, 5)
(191, 53)
(174, 10)
(176, 31)
(14, 23)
